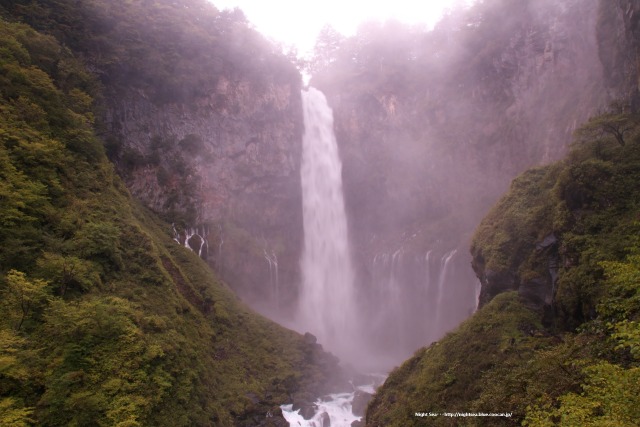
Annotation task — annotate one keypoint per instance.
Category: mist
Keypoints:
(432, 126)
(266, 233)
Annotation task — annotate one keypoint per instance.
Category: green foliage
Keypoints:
(103, 368)
(622, 302)
(520, 219)
(610, 392)
(610, 397)
(589, 201)
(12, 416)
(466, 370)
(173, 51)
(22, 297)
(627, 334)
(618, 122)
(68, 272)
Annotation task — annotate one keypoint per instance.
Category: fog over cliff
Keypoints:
(431, 127)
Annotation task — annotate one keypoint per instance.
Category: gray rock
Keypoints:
(229, 159)
(547, 242)
(308, 411)
(309, 338)
(325, 420)
(360, 401)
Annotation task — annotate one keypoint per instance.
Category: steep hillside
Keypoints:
(106, 320)
(202, 117)
(557, 338)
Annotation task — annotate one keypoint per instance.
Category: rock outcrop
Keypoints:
(360, 401)
(229, 164)
(618, 34)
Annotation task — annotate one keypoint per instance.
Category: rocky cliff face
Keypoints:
(617, 38)
(225, 167)
(449, 130)
(618, 33)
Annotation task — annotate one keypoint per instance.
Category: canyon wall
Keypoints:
(226, 167)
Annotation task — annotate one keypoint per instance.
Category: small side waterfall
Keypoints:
(415, 297)
(445, 266)
(220, 261)
(194, 239)
(326, 302)
(274, 281)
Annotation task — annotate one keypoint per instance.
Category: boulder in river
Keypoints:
(325, 420)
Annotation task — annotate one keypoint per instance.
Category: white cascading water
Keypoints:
(195, 239)
(442, 280)
(326, 302)
(274, 282)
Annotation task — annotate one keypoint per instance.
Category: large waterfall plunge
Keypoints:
(326, 302)
(406, 298)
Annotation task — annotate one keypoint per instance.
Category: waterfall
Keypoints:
(195, 239)
(219, 263)
(326, 301)
(412, 296)
(274, 281)
(415, 297)
(444, 269)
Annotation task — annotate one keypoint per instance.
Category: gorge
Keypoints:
(165, 176)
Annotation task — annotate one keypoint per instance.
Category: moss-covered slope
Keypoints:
(562, 344)
(105, 320)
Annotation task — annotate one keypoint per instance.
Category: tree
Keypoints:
(610, 397)
(23, 296)
(618, 121)
(69, 272)
(610, 393)
(325, 50)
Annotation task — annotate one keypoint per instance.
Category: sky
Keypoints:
(298, 22)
